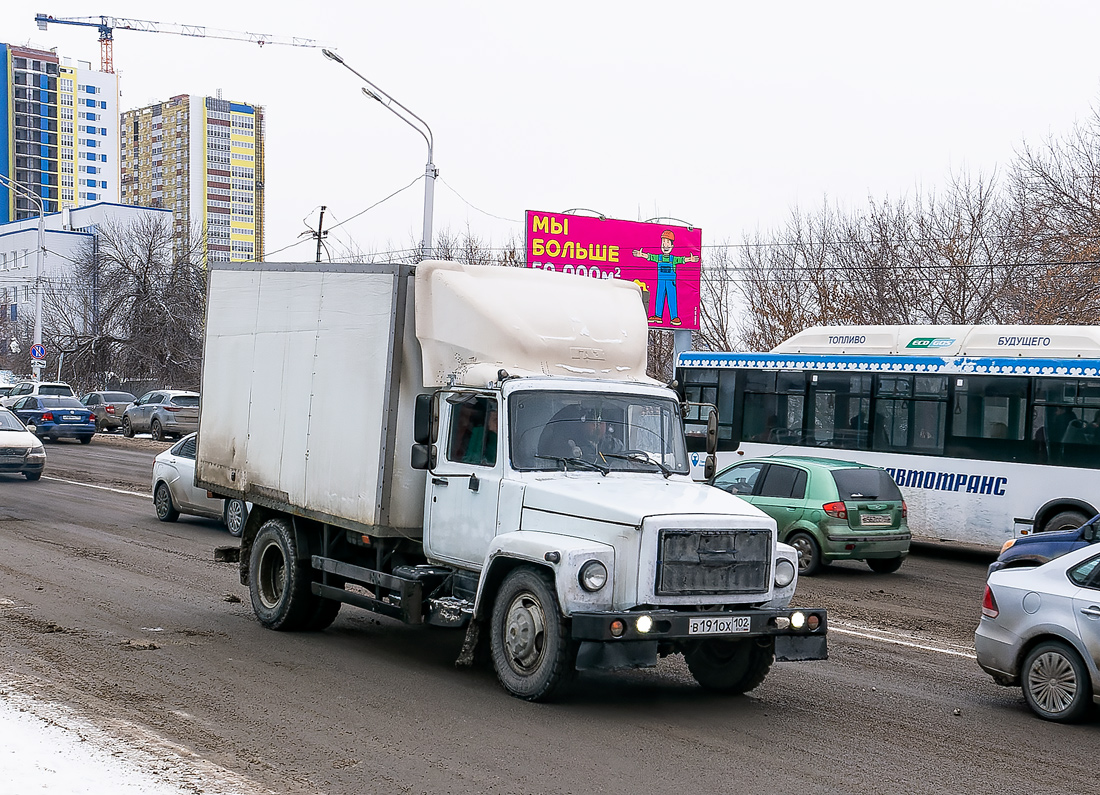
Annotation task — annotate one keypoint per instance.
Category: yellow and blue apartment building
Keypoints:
(203, 159)
(59, 136)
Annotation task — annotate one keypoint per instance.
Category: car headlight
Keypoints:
(1007, 544)
(784, 573)
(593, 576)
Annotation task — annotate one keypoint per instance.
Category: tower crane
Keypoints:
(108, 25)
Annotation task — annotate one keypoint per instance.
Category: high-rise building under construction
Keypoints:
(203, 159)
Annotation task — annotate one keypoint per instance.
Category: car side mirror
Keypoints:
(709, 467)
(425, 419)
(423, 456)
(712, 433)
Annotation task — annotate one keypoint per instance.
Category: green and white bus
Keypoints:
(989, 431)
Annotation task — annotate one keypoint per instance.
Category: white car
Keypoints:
(21, 452)
(174, 490)
(24, 388)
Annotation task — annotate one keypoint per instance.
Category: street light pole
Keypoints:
(430, 171)
(36, 365)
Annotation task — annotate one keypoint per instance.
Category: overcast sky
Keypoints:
(725, 115)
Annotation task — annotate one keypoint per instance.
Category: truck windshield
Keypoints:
(615, 432)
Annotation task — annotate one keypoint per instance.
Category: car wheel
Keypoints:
(127, 428)
(533, 653)
(234, 515)
(157, 431)
(1066, 520)
(162, 501)
(1056, 683)
(85, 439)
(809, 553)
(32, 475)
(885, 565)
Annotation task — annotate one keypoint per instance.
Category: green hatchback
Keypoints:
(828, 510)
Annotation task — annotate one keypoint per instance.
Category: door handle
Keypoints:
(789, 508)
(1094, 612)
(439, 481)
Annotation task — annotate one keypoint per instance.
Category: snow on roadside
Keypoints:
(46, 748)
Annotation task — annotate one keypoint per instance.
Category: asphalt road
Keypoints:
(132, 623)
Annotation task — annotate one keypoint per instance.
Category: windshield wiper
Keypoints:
(577, 462)
(642, 457)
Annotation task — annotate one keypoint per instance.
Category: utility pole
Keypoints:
(319, 234)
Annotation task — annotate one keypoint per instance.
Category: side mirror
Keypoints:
(423, 456)
(424, 419)
(710, 466)
(712, 433)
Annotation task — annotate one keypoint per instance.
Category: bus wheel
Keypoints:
(1066, 520)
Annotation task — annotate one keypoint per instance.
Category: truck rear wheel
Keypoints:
(278, 582)
(533, 654)
(730, 666)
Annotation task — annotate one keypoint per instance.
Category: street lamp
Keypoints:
(36, 364)
(430, 171)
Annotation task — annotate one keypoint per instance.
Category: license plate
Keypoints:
(70, 417)
(875, 520)
(718, 626)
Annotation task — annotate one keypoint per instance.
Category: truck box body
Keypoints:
(297, 393)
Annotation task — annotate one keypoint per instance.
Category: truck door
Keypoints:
(463, 489)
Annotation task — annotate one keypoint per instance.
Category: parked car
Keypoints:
(174, 490)
(828, 510)
(1037, 549)
(21, 452)
(163, 413)
(25, 388)
(108, 408)
(56, 417)
(5, 391)
(1040, 630)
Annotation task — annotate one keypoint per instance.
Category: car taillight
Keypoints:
(109, 409)
(173, 408)
(91, 418)
(989, 604)
(904, 510)
(835, 509)
(48, 416)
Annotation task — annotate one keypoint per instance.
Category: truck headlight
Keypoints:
(784, 573)
(593, 576)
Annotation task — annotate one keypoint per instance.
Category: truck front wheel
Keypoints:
(278, 582)
(730, 666)
(532, 652)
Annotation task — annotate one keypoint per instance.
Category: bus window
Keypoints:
(988, 418)
(903, 423)
(1065, 427)
(840, 411)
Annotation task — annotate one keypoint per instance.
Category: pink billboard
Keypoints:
(663, 259)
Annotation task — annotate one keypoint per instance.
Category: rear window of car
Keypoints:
(61, 402)
(865, 484)
(186, 400)
(55, 390)
(118, 397)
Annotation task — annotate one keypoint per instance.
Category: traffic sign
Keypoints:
(38, 352)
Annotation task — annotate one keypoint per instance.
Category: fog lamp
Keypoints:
(617, 627)
(644, 624)
(798, 619)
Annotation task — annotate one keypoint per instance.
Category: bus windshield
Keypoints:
(558, 430)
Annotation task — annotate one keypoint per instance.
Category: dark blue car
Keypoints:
(56, 417)
(1037, 549)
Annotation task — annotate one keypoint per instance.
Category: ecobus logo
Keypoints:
(931, 342)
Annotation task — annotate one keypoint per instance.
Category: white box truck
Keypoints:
(480, 447)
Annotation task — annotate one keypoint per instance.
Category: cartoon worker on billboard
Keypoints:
(666, 277)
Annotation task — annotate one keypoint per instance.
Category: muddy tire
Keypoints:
(279, 583)
(533, 653)
(162, 501)
(127, 428)
(730, 666)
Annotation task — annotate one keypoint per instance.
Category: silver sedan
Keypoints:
(174, 490)
(1040, 630)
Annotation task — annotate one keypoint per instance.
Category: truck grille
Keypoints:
(713, 561)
